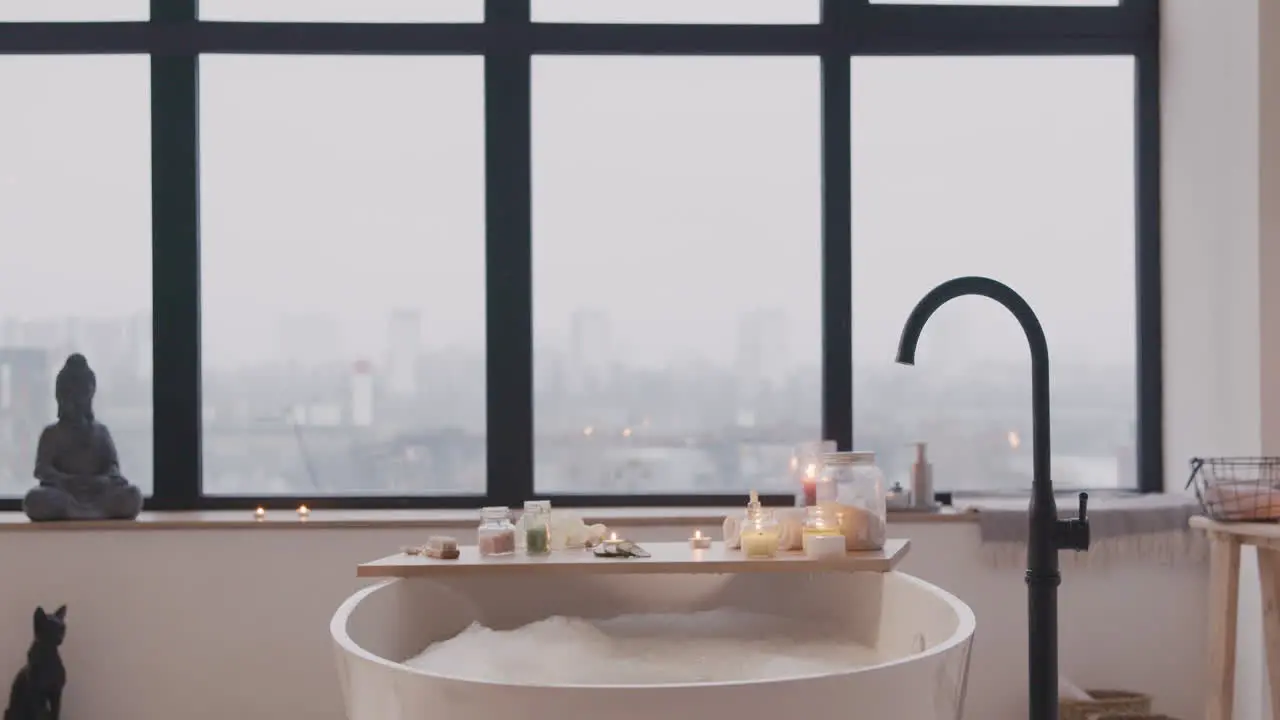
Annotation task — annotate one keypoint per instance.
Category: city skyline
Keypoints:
(302, 397)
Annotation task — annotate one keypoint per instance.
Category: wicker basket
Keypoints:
(1106, 703)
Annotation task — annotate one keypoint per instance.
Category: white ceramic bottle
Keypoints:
(922, 479)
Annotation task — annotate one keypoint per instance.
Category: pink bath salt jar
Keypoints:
(496, 534)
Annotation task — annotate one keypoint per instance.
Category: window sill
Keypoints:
(382, 519)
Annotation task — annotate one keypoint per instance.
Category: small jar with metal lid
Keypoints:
(859, 497)
(537, 527)
(496, 535)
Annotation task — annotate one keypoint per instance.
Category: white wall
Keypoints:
(1221, 211)
(233, 624)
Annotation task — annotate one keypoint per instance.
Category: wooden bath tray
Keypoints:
(667, 558)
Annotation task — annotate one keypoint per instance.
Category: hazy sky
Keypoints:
(673, 194)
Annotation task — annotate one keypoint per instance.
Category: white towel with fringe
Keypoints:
(1151, 528)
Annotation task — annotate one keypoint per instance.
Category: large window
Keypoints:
(446, 254)
(342, 275)
(676, 258)
(75, 266)
(1026, 168)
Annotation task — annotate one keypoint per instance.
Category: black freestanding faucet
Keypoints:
(1048, 533)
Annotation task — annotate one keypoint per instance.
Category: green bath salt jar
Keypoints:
(537, 528)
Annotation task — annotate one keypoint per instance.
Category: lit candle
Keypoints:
(304, 512)
(259, 514)
(699, 541)
(613, 537)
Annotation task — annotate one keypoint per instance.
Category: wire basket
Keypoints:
(1237, 489)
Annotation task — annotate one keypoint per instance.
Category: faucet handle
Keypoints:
(1073, 534)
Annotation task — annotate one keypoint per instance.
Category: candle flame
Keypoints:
(697, 534)
(613, 537)
(1014, 440)
(304, 510)
(811, 471)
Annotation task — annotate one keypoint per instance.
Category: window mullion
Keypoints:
(837, 228)
(508, 257)
(175, 262)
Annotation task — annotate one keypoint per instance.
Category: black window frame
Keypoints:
(175, 38)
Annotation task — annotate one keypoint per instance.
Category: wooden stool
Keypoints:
(1225, 540)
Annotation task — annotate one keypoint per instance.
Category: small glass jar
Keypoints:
(859, 497)
(537, 527)
(496, 535)
(821, 519)
(521, 535)
(760, 534)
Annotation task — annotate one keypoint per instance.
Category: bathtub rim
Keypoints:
(964, 632)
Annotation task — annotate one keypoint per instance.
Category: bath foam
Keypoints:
(724, 645)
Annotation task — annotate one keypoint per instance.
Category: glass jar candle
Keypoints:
(821, 519)
(537, 527)
(760, 534)
(496, 535)
(859, 497)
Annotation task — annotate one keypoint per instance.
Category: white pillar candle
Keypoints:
(817, 547)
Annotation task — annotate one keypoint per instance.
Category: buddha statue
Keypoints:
(76, 461)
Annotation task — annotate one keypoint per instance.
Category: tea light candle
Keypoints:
(699, 541)
(259, 514)
(304, 512)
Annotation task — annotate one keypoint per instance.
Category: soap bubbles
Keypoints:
(724, 645)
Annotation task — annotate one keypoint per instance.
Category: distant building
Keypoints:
(26, 406)
(362, 394)
(590, 350)
(404, 348)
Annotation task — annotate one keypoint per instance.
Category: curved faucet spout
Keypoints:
(1041, 486)
(973, 285)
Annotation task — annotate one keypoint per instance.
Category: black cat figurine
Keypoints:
(37, 690)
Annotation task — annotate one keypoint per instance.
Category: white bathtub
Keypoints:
(925, 631)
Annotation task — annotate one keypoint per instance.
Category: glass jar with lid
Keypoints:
(496, 535)
(537, 527)
(521, 535)
(859, 497)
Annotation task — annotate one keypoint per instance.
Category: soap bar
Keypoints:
(441, 547)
